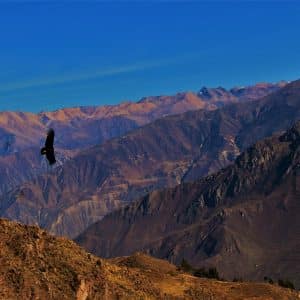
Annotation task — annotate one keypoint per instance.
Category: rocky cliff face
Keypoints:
(163, 153)
(36, 265)
(243, 219)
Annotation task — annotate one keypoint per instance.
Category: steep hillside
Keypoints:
(244, 219)
(164, 153)
(35, 265)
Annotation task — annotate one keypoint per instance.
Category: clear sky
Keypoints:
(65, 53)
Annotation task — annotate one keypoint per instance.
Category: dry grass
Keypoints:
(36, 265)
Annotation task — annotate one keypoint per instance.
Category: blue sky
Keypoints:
(57, 54)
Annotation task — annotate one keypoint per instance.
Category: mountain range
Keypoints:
(80, 127)
(161, 154)
(217, 186)
(22, 134)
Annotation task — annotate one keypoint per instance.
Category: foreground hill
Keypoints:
(244, 219)
(164, 153)
(35, 265)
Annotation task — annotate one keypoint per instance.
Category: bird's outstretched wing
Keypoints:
(51, 157)
(49, 149)
(50, 139)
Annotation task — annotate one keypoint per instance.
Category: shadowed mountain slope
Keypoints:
(244, 219)
(164, 153)
(36, 265)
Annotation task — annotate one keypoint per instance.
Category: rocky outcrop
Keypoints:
(243, 219)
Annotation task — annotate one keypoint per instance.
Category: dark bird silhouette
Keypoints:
(49, 149)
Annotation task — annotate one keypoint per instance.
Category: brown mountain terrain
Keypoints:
(244, 219)
(36, 265)
(164, 153)
(22, 134)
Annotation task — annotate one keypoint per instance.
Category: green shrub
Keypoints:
(185, 266)
(286, 284)
(268, 279)
(201, 272)
(213, 273)
(210, 273)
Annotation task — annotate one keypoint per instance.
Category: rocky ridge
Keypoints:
(244, 219)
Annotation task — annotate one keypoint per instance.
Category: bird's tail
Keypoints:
(43, 151)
